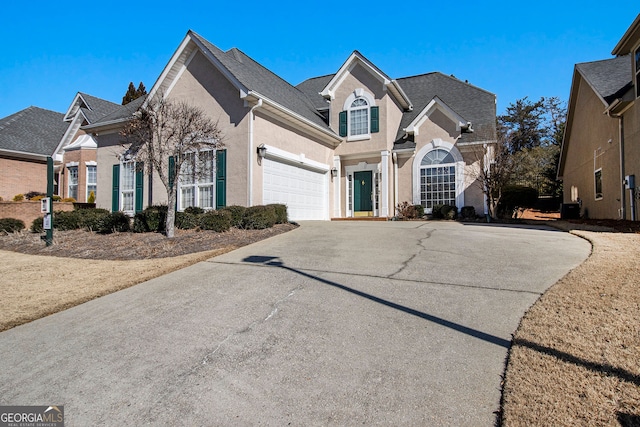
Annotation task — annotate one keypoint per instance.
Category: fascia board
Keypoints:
(569, 122)
(70, 132)
(24, 155)
(167, 69)
(295, 117)
(624, 46)
(70, 114)
(401, 95)
(351, 62)
(426, 111)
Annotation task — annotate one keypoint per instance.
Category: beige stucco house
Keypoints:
(600, 158)
(353, 143)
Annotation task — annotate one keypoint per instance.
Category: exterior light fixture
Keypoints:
(262, 151)
(334, 172)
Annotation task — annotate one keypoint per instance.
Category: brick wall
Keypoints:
(21, 176)
(27, 211)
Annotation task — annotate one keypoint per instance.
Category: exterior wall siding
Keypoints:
(592, 131)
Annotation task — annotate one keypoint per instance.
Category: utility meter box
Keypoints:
(44, 205)
(630, 182)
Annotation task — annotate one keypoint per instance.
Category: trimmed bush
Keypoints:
(195, 210)
(114, 222)
(67, 220)
(281, 213)
(187, 221)
(92, 197)
(449, 212)
(18, 197)
(468, 212)
(38, 197)
(436, 212)
(406, 211)
(31, 195)
(56, 198)
(259, 217)
(37, 226)
(69, 199)
(152, 219)
(11, 225)
(419, 210)
(237, 215)
(218, 221)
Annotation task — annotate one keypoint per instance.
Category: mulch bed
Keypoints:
(134, 246)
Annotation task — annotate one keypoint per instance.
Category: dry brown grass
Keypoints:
(575, 359)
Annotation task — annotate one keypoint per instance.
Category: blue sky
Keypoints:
(51, 50)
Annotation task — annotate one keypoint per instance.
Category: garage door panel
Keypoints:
(305, 192)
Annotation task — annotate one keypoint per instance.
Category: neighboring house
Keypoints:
(353, 143)
(601, 145)
(76, 170)
(27, 138)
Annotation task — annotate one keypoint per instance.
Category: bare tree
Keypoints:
(161, 130)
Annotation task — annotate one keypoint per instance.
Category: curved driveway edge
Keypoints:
(334, 323)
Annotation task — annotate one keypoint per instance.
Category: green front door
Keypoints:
(363, 193)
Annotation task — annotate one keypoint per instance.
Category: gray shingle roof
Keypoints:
(312, 88)
(122, 112)
(33, 130)
(97, 107)
(470, 102)
(255, 77)
(611, 78)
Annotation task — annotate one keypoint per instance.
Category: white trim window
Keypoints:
(437, 179)
(196, 186)
(358, 117)
(92, 180)
(73, 182)
(127, 187)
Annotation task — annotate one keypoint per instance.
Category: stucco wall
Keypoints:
(591, 130)
(204, 86)
(632, 152)
(21, 176)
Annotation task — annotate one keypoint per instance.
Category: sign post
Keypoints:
(48, 216)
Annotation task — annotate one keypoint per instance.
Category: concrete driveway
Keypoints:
(334, 323)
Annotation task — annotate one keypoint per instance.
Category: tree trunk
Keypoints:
(171, 214)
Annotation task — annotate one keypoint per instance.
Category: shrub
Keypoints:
(152, 219)
(436, 212)
(68, 199)
(38, 197)
(259, 217)
(281, 213)
(419, 210)
(37, 226)
(468, 212)
(516, 197)
(237, 214)
(114, 222)
(56, 198)
(187, 221)
(195, 210)
(218, 221)
(63, 220)
(449, 212)
(11, 225)
(18, 197)
(92, 197)
(31, 195)
(407, 211)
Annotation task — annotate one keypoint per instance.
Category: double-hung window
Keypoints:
(360, 117)
(92, 180)
(73, 182)
(127, 186)
(197, 180)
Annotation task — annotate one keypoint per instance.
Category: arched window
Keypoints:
(437, 179)
(359, 117)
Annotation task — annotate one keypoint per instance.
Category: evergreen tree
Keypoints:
(133, 93)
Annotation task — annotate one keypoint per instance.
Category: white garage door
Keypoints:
(303, 191)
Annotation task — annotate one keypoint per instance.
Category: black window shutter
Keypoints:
(115, 197)
(343, 123)
(375, 120)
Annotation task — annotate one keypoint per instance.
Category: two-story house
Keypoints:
(600, 157)
(353, 143)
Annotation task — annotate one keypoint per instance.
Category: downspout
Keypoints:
(622, 195)
(395, 182)
(251, 153)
